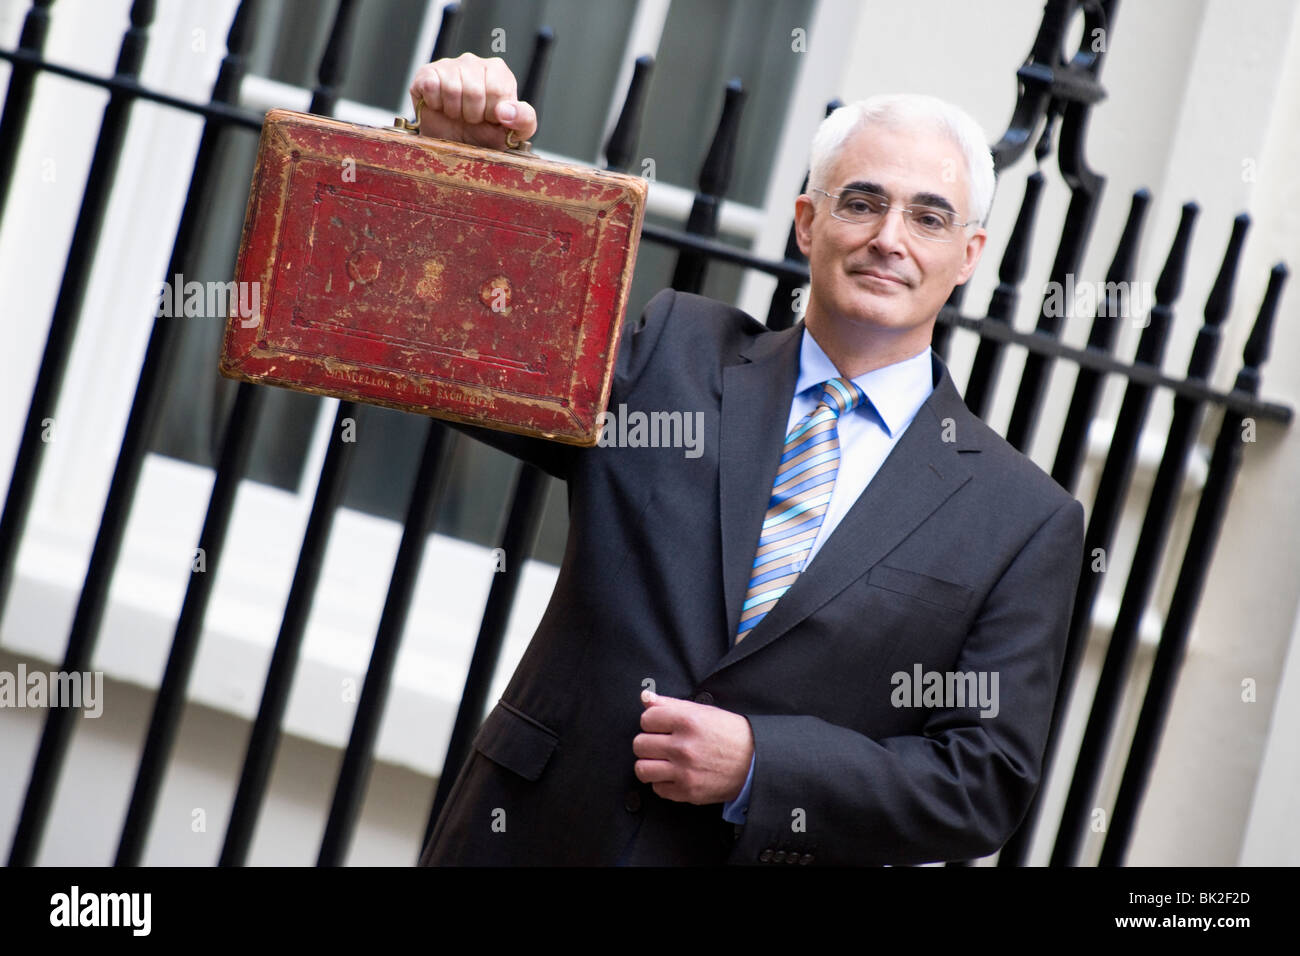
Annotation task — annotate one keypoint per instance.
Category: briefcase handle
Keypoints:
(404, 124)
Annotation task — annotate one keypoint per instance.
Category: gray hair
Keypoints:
(909, 109)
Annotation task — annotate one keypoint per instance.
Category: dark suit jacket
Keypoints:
(960, 556)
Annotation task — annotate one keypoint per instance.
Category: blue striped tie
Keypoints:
(800, 495)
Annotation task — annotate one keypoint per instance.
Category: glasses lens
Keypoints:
(929, 222)
(859, 207)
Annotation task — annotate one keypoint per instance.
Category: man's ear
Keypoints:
(803, 218)
(974, 248)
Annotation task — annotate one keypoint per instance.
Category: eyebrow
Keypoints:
(925, 199)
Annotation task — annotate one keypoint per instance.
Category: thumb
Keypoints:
(518, 116)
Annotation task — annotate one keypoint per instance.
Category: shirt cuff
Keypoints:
(733, 811)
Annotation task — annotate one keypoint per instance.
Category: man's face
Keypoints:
(881, 278)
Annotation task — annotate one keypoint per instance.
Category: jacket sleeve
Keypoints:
(637, 342)
(955, 791)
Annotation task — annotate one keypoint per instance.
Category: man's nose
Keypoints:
(891, 231)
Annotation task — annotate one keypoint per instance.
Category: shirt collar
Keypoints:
(896, 392)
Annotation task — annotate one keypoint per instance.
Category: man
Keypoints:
(835, 635)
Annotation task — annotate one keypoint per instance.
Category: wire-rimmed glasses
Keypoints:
(866, 209)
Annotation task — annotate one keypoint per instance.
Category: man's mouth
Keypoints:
(882, 275)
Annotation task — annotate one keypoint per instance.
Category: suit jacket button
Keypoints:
(632, 801)
(704, 697)
(765, 856)
(805, 859)
(792, 857)
(778, 856)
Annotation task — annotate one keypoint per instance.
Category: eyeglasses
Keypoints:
(867, 209)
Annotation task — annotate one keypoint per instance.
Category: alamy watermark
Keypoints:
(132, 911)
(210, 300)
(637, 429)
(83, 690)
(949, 689)
(1114, 300)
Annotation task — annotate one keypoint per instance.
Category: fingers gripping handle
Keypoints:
(406, 125)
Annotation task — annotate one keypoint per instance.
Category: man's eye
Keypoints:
(930, 220)
(861, 205)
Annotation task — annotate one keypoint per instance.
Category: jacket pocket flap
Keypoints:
(944, 593)
(515, 741)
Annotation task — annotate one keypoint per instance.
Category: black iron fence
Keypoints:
(1056, 94)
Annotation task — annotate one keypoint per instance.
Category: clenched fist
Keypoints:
(692, 753)
(471, 100)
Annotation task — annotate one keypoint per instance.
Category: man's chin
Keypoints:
(868, 312)
(883, 317)
(882, 311)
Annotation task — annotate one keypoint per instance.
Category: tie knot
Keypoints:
(841, 395)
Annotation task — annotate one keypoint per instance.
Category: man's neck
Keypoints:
(856, 350)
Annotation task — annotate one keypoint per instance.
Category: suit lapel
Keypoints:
(755, 405)
(921, 472)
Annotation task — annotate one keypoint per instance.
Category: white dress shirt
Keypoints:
(867, 434)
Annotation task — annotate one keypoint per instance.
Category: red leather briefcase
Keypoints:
(477, 285)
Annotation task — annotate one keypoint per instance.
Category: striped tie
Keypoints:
(800, 495)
